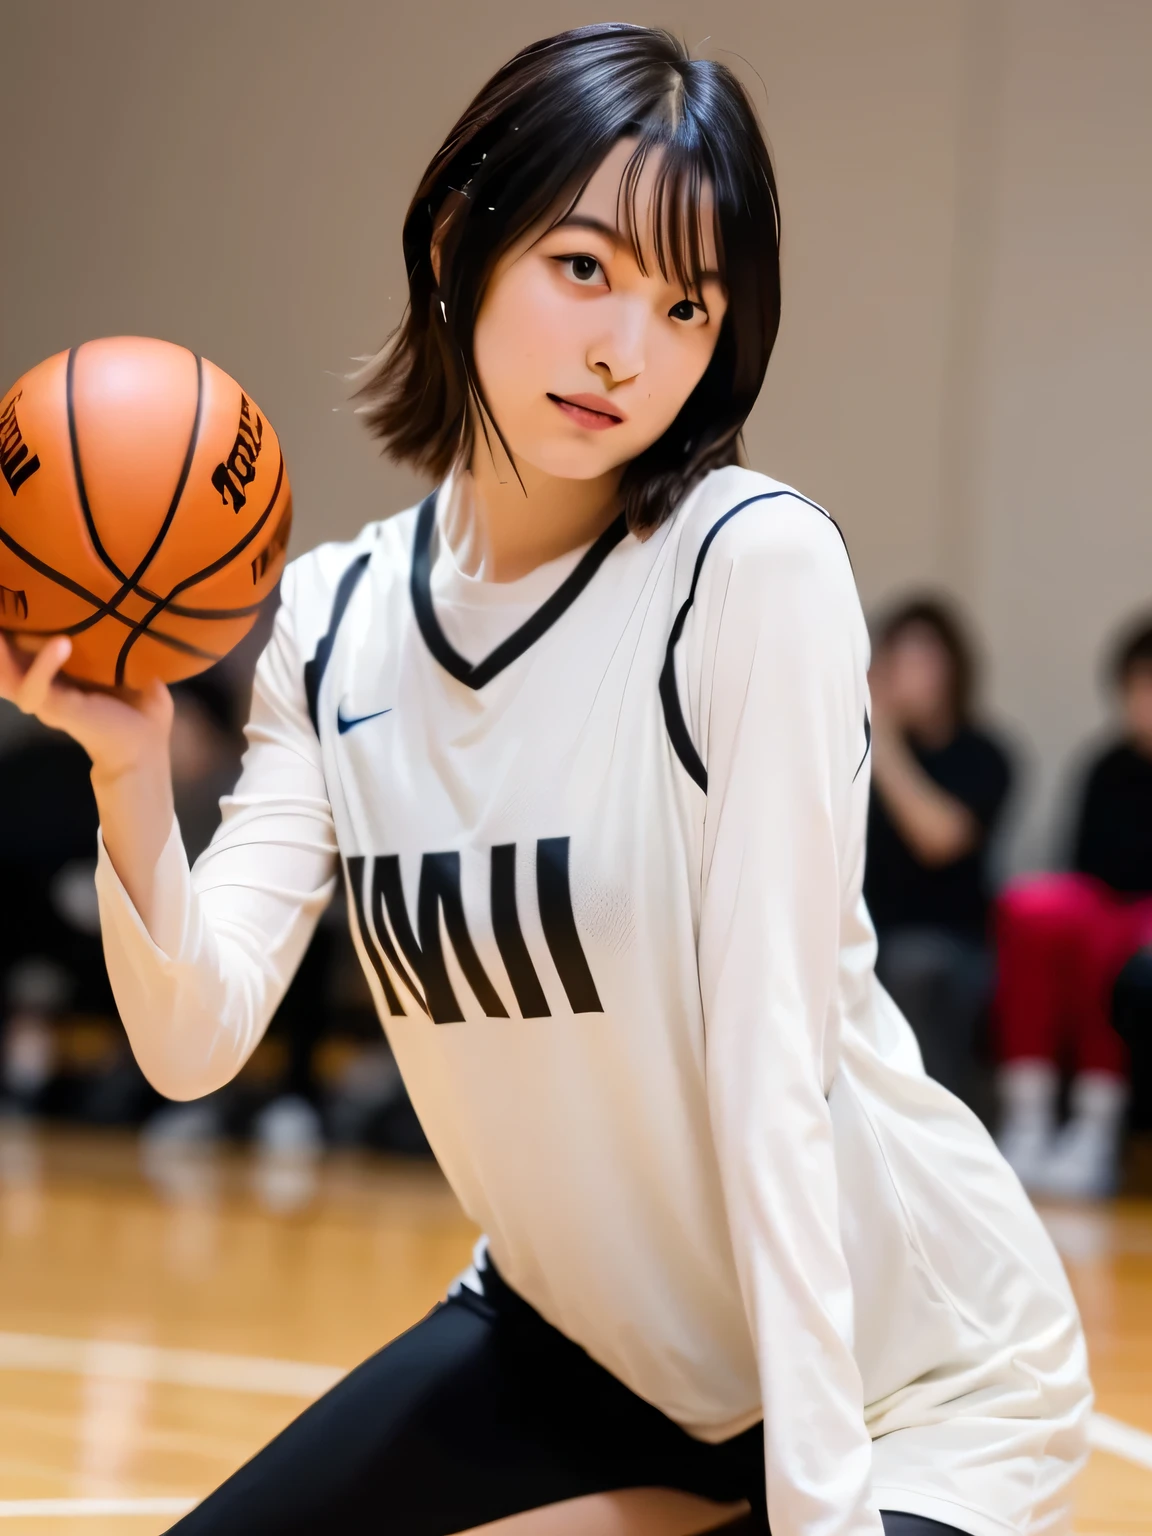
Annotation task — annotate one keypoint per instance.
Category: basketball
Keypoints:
(144, 511)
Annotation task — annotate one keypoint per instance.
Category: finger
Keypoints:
(35, 689)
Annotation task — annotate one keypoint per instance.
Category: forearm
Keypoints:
(934, 823)
(134, 800)
(198, 978)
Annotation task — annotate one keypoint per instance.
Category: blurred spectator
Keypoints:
(1063, 939)
(47, 964)
(939, 783)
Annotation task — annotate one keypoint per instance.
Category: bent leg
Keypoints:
(1043, 925)
(1116, 932)
(480, 1412)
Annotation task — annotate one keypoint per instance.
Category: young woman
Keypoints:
(586, 735)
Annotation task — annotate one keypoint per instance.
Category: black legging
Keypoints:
(481, 1411)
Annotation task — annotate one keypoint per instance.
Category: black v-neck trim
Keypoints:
(508, 651)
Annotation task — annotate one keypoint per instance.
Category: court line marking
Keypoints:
(176, 1367)
(1119, 1439)
(15, 1509)
(263, 1375)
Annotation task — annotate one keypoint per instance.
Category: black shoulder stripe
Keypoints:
(867, 746)
(682, 743)
(314, 670)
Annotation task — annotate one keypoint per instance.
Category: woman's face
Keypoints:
(584, 359)
(914, 677)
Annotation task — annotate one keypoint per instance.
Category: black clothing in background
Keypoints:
(904, 893)
(1114, 829)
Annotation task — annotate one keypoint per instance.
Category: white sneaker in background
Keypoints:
(184, 1124)
(27, 1055)
(1084, 1162)
(1027, 1092)
(289, 1125)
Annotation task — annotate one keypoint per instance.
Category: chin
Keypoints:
(569, 461)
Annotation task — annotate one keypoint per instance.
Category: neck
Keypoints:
(500, 529)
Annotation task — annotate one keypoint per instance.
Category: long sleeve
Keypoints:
(776, 667)
(196, 993)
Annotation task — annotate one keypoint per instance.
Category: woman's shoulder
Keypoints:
(740, 512)
(741, 520)
(311, 582)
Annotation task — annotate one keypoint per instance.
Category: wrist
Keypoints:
(147, 768)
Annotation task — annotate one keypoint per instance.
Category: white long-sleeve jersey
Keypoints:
(602, 832)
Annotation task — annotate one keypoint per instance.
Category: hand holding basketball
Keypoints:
(119, 731)
(144, 518)
(145, 510)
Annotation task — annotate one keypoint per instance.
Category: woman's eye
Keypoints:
(686, 310)
(585, 270)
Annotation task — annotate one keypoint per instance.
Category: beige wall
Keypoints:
(962, 374)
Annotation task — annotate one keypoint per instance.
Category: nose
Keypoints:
(617, 354)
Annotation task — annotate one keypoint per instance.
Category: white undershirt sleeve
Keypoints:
(197, 991)
(776, 665)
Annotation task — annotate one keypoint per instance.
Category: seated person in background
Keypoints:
(1063, 939)
(47, 824)
(939, 783)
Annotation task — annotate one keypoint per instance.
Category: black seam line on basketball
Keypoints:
(78, 471)
(53, 575)
(132, 583)
(181, 612)
(162, 637)
(102, 610)
(420, 587)
(158, 608)
(678, 734)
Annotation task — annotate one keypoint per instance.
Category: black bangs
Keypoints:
(519, 158)
(676, 231)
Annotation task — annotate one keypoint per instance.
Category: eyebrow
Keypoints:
(613, 235)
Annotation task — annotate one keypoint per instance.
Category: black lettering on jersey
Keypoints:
(354, 871)
(439, 892)
(15, 464)
(13, 602)
(510, 936)
(385, 929)
(239, 469)
(559, 923)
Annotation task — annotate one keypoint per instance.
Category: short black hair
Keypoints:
(527, 145)
(1132, 650)
(938, 615)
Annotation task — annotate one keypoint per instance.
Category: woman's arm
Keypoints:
(198, 980)
(781, 659)
(938, 828)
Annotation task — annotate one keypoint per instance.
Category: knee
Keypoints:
(1044, 904)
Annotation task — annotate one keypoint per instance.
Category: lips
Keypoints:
(591, 411)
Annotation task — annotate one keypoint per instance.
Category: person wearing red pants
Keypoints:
(1062, 940)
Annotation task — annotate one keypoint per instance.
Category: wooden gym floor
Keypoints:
(162, 1315)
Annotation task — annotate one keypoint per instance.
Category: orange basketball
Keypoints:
(144, 509)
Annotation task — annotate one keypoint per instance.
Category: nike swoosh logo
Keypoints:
(343, 724)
